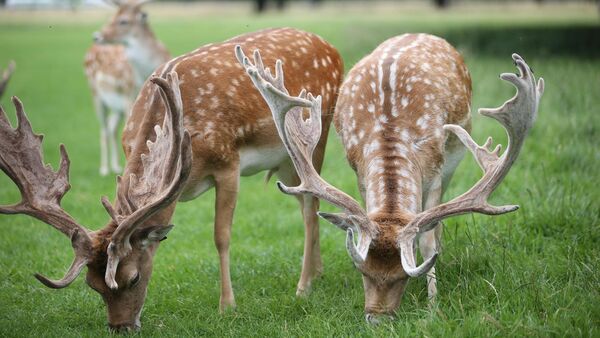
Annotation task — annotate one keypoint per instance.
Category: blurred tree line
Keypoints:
(261, 5)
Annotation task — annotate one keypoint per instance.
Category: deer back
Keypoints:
(391, 111)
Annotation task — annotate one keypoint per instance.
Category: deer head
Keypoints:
(387, 258)
(129, 23)
(119, 256)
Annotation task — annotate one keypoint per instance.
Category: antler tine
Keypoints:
(166, 168)
(300, 138)
(517, 116)
(41, 188)
(6, 76)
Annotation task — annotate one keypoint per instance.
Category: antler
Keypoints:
(41, 188)
(300, 138)
(6, 76)
(516, 116)
(166, 168)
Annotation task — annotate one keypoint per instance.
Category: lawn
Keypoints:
(533, 272)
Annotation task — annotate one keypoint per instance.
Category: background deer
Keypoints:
(6, 77)
(393, 112)
(205, 127)
(124, 54)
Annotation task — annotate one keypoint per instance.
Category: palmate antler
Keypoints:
(6, 76)
(517, 116)
(300, 138)
(166, 168)
(41, 188)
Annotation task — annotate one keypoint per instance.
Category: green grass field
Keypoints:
(530, 273)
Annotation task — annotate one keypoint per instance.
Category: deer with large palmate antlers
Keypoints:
(394, 113)
(124, 54)
(6, 77)
(215, 130)
(156, 182)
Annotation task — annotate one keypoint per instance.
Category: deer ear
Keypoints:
(340, 220)
(153, 234)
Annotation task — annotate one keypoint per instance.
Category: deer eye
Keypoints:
(135, 280)
(123, 22)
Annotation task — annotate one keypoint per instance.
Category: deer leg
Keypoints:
(226, 187)
(114, 120)
(429, 242)
(312, 266)
(102, 113)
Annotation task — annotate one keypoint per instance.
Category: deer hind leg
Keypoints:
(430, 241)
(114, 120)
(226, 188)
(312, 266)
(102, 114)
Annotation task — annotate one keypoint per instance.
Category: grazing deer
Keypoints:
(214, 129)
(161, 171)
(6, 76)
(124, 54)
(393, 112)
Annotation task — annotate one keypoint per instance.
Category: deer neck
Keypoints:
(391, 179)
(145, 53)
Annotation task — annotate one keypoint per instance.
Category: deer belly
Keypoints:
(114, 101)
(254, 160)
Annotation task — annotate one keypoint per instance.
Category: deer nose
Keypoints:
(124, 328)
(378, 318)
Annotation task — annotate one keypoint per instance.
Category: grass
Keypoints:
(533, 272)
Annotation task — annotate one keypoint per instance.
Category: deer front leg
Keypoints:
(430, 241)
(114, 120)
(102, 114)
(226, 187)
(312, 266)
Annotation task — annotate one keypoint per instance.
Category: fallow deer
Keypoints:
(124, 54)
(213, 131)
(6, 77)
(394, 113)
(161, 171)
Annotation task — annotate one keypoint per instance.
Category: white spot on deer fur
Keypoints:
(358, 78)
(307, 74)
(373, 146)
(235, 82)
(315, 64)
(214, 102)
(371, 108)
(214, 71)
(404, 101)
(423, 120)
(303, 50)
(324, 62)
(405, 135)
(329, 59)
(361, 106)
(373, 86)
(408, 88)
(194, 73)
